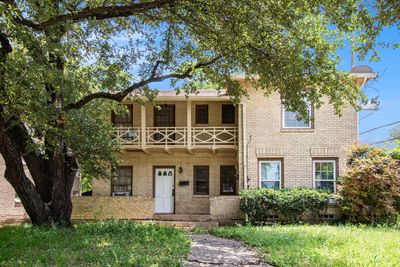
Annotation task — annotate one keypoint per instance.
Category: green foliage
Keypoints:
(109, 243)
(288, 46)
(385, 13)
(291, 204)
(370, 185)
(86, 183)
(69, 52)
(319, 245)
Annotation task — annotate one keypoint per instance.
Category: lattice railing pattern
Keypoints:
(214, 136)
(128, 135)
(165, 136)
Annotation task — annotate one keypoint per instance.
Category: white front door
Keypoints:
(164, 193)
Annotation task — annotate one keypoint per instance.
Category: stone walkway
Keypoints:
(208, 250)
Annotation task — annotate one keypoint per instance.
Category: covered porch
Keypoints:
(204, 122)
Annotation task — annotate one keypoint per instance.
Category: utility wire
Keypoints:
(366, 116)
(376, 128)
(384, 141)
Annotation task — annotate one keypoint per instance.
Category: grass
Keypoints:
(320, 245)
(93, 244)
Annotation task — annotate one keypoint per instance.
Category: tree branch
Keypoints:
(99, 13)
(122, 94)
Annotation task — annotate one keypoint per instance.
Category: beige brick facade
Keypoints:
(11, 209)
(260, 136)
(225, 209)
(108, 207)
(329, 138)
(185, 201)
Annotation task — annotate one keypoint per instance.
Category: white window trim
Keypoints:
(280, 172)
(291, 127)
(334, 172)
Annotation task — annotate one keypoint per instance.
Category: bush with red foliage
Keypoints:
(370, 186)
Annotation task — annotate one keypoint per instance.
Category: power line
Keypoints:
(384, 141)
(366, 116)
(376, 128)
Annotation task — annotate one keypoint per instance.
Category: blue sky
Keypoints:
(386, 86)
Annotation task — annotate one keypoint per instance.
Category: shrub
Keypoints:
(290, 204)
(370, 186)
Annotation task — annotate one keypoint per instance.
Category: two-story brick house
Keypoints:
(190, 158)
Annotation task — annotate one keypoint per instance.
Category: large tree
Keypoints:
(64, 63)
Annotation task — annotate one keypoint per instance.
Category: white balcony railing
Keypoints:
(214, 136)
(128, 135)
(165, 136)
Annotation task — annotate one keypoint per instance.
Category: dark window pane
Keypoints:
(228, 113)
(228, 180)
(124, 119)
(201, 180)
(325, 186)
(202, 114)
(164, 116)
(122, 183)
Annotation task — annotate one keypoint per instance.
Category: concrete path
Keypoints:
(208, 250)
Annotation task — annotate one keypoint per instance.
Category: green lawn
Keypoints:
(320, 245)
(93, 244)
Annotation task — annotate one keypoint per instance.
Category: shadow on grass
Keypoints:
(100, 244)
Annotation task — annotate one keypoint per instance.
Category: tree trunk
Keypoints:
(46, 194)
(56, 177)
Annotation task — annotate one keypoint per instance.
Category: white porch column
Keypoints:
(189, 123)
(143, 125)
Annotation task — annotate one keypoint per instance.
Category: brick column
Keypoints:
(143, 125)
(189, 123)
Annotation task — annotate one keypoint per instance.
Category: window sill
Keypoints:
(200, 196)
(297, 130)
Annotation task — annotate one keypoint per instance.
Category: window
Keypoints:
(325, 175)
(291, 119)
(201, 114)
(227, 180)
(122, 183)
(124, 119)
(270, 174)
(201, 180)
(228, 114)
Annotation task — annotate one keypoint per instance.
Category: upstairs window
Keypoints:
(124, 119)
(292, 119)
(201, 180)
(122, 184)
(228, 114)
(325, 175)
(201, 114)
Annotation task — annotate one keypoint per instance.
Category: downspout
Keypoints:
(245, 152)
(244, 144)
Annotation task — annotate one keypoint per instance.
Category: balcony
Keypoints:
(178, 138)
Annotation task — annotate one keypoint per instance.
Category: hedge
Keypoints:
(290, 204)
